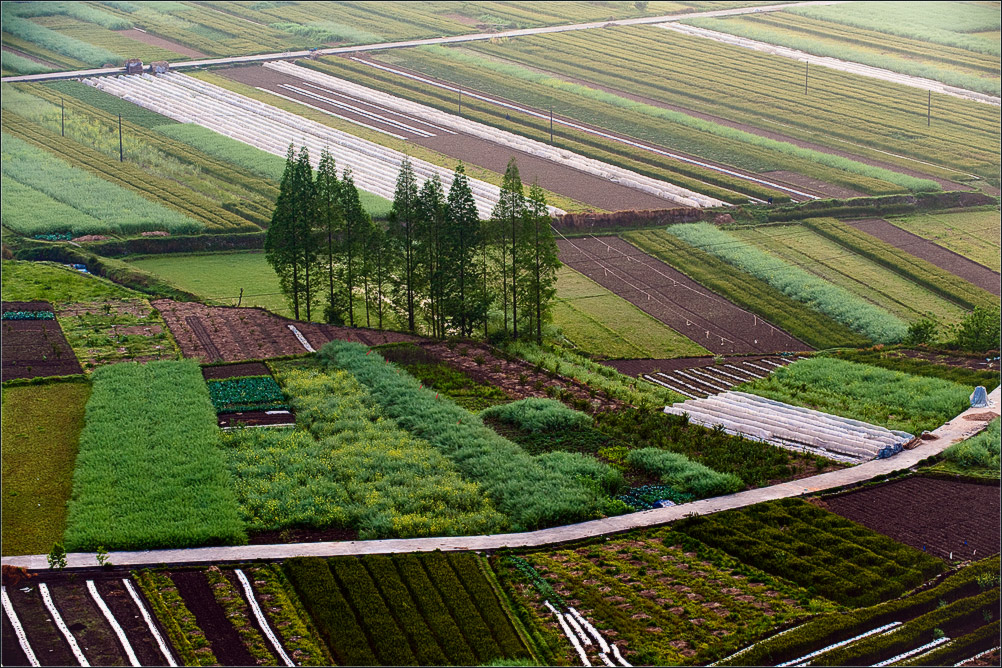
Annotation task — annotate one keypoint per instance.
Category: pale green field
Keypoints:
(974, 234)
(855, 273)
(601, 323)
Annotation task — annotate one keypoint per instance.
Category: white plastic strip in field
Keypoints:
(259, 615)
(149, 622)
(331, 113)
(115, 626)
(603, 645)
(22, 639)
(912, 652)
(976, 656)
(302, 339)
(569, 633)
(619, 657)
(842, 643)
(61, 625)
(664, 189)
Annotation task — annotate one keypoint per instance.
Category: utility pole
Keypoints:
(928, 111)
(551, 124)
(62, 118)
(807, 67)
(121, 154)
(460, 101)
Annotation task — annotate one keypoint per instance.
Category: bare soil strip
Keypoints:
(11, 653)
(153, 40)
(233, 334)
(937, 515)
(956, 264)
(90, 628)
(35, 348)
(226, 643)
(235, 371)
(586, 188)
(128, 617)
(673, 298)
(46, 641)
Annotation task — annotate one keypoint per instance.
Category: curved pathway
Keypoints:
(963, 426)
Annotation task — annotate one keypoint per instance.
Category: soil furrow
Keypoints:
(226, 643)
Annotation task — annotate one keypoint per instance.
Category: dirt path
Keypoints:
(956, 264)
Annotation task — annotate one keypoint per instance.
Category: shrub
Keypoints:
(535, 415)
(980, 451)
(679, 472)
(980, 330)
(526, 489)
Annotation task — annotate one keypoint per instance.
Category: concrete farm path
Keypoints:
(963, 426)
(475, 37)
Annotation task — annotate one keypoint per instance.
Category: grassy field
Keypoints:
(601, 323)
(973, 234)
(218, 277)
(41, 425)
(834, 263)
(55, 283)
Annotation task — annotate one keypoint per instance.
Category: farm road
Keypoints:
(476, 37)
(959, 428)
(670, 296)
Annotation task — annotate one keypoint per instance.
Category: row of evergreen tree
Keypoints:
(434, 263)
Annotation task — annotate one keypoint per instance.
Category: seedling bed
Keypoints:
(251, 417)
(231, 334)
(931, 513)
(35, 348)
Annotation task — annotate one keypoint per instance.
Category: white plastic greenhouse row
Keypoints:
(782, 424)
(188, 100)
(502, 137)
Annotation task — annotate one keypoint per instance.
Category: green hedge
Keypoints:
(683, 474)
(536, 415)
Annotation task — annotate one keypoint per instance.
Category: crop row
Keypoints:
(190, 642)
(829, 629)
(453, 383)
(854, 312)
(28, 315)
(347, 467)
(851, 108)
(553, 488)
(677, 129)
(119, 208)
(219, 183)
(685, 175)
(893, 399)
(898, 360)
(818, 550)
(432, 609)
(52, 40)
(123, 45)
(149, 472)
(661, 603)
(746, 290)
(936, 280)
(798, 33)
(11, 64)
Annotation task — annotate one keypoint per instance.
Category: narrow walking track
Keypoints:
(476, 37)
(963, 426)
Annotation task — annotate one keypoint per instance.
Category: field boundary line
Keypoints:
(953, 431)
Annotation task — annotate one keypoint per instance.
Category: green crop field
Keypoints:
(879, 285)
(840, 110)
(601, 323)
(41, 425)
(973, 234)
(54, 283)
(218, 277)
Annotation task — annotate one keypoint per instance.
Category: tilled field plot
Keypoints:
(956, 264)
(255, 418)
(586, 188)
(698, 376)
(941, 516)
(230, 334)
(35, 348)
(673, 298)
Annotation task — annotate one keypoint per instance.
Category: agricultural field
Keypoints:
(34, 344)
(41, 424)
(600, 322)
(891, 287)
(893, 399)
(972, 234)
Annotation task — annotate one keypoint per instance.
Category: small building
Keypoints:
(133, 66)
(159, 67)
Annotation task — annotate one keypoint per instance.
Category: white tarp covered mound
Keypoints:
(189, 100)
(793, 427)
(539, 149)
